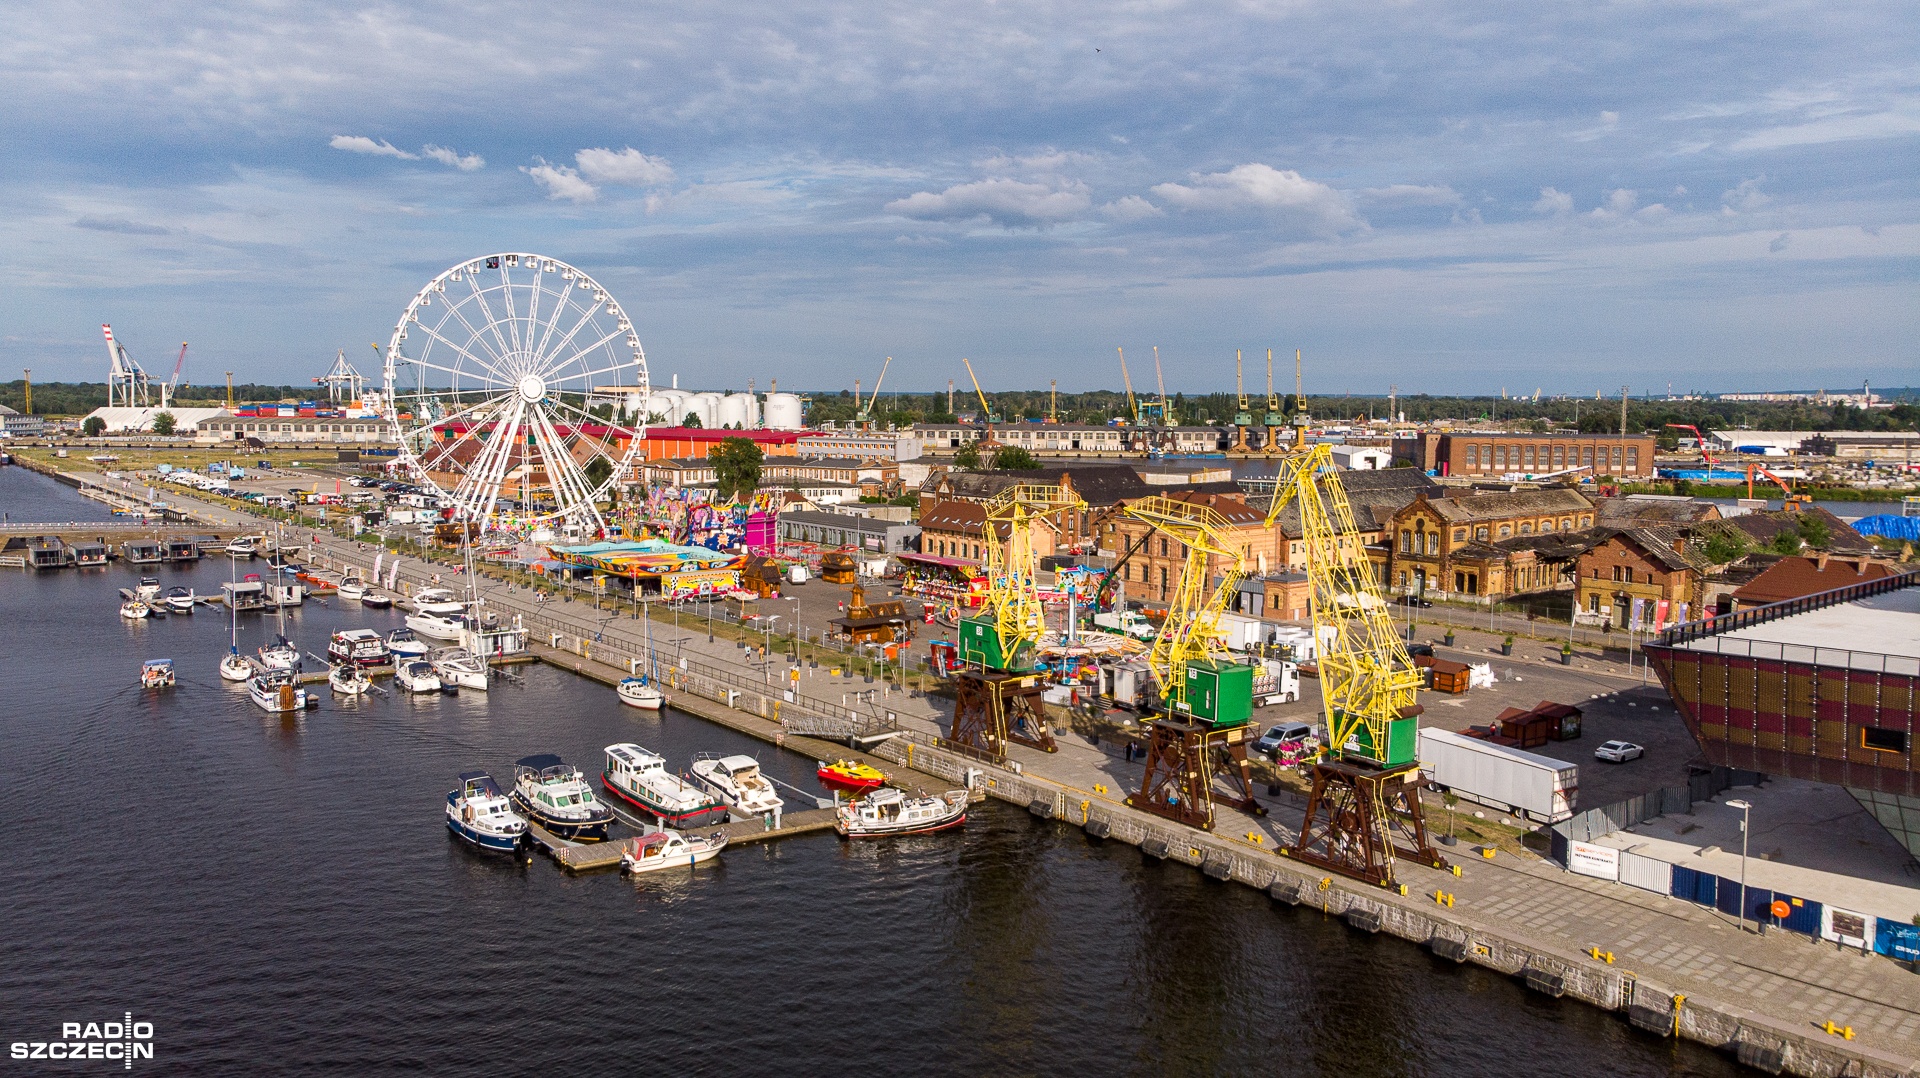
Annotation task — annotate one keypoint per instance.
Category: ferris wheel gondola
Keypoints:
(490, 379)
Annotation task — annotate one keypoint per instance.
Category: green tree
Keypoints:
(1814, 531)
(597, 470)
(692, 420)
(163, 424)
(1787, 542)
(1725, 546)
(1012, 458)
(968, 457)
(94, 427)
(736, 468)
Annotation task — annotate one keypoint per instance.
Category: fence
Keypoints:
(1600, 822)
(1741, 619)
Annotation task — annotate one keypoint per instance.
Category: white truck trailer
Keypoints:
(1538, 788)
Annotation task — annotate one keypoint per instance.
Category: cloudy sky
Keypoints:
(1457, 197)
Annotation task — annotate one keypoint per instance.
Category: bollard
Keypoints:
(1487, 852)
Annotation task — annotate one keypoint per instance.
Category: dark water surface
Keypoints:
(280, 896)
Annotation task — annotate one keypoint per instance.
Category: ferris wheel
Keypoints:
(492, 376)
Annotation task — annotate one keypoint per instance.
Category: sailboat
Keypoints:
(280, 655)
(233, 665)
(644, 691)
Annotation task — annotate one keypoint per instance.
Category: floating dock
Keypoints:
(587, 857)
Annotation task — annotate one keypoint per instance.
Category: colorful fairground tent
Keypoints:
(943, 581)
(674, 570)
(686, 515)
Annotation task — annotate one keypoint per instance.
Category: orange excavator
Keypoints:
(1792, 502)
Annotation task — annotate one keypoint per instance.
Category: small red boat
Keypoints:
(856, 778)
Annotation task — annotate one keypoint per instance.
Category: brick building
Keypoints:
(957, 529)
(1650, 565)
(1479, 546)
(1152, 573)
(1502, 453)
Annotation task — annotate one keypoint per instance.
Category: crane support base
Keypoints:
(992, 708)
(1182, 760)
(1359, 820)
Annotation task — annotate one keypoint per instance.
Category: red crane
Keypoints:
(1706, 454)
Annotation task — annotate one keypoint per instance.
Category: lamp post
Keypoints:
(1746, 817)
(796, 629)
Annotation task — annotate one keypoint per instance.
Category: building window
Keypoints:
(1586, 456)
(1633, 457)
(1163, 580)
(1433, 543)
(1473, 456)
(1500, 457)
(1559, 456)
(1546, 526)
(1406, 543)
(1528, 453)
(1505, 530)
(1526, 529)
(1459, 535)
(1616, 456)
(1882, 740)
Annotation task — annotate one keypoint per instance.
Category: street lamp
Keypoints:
(1746, 816)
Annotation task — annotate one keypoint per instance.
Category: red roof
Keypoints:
(1794, 577)
(702, 434)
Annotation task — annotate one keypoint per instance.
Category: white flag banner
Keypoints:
(393, 575)
(377, 559)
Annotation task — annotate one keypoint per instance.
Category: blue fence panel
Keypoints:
(1897, 941)
(1805, 915)
(1728, 900)
(1694, 885)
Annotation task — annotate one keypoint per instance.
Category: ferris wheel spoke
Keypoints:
(486, 367)
(437, 451)
(588, 490)
(604, 443)
(486, 309)
(560, 307)
(561, 475)
(586, 319)
(589, 348)
(507, 445)
(478, 338)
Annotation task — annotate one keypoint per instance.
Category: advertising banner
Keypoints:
(1588, 859)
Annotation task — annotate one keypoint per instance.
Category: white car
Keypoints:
(1619, 752)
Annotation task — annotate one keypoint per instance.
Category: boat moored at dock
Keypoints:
(668, 848)
(278, 691)
(416, 675)
(850, 776)
(436, 601)
(181, 600)
(404, 645)
(347, 679)
(479, 814)
(360, 647)
(553, 794)
(460, 668)
(280, 655)
(376, 600)
(737, 782)
(140, 552)
(134, 610)
(243, 546)
(891, 812)
(437, 626)
(245, 595)
(149, 589)
(640, 692)
(351, 588)
(236, 667)
(641, 779)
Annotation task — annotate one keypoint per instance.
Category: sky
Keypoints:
(1446, 198)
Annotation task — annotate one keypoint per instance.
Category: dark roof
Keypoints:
(1764, 527)
(1375, 495)
(1793, 577)
(539, 761)
(1475, 507)
(1557, 546)
(1635, 510)
(1673, 548)
(841, 520)
(967, 518)
(1097, 484)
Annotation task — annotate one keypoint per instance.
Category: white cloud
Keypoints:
(1890, 124)
(562, 182)
(1609, 118)
(1745, 198)
(1553, 203)
(1779, 243)
(453, 158)
(1411, 194)
(363, 144)
(1131, 208)
(1049, 160)
(1009, 203)
(626, 168)
(1255, 187)
(1618, 204)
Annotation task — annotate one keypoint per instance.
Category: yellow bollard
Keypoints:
(1456, 869)
(1402, 890)
(1487, 852)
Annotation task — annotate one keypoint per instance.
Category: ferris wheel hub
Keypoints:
(532, 388)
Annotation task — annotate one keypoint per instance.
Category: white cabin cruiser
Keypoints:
(243, 546)
(640, 692)
(351, 588)
(376, 600)
(180, 600)
(148, 591)
(460, 668)
(737, 782)
(889, 811)
(553, 794)
(280, 655)
(404, 645)
(348, 679)
(480, 814)
(436, 601)
(416, 675)
(641, 779)
(437, 626)
(278, 691)
(668, 848)
(361, 647)
(157, 674)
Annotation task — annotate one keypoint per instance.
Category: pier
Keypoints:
(592, 856)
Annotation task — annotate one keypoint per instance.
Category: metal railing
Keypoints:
(1743, 619)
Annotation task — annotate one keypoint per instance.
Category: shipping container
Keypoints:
(1220, 694)
(1536, 787)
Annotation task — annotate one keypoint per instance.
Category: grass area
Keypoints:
(143, 458)
(1763, 489)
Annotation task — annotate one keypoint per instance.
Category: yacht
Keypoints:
(157, 674)
(352, 588)
(479, 814)
(890, 811)
(348, 679)
(148, 591)
(361, 647)
(180, 600)
(436, 601)
(553, 794)
(437, 626)
(278, 691)
(640, 692)
(416, 675)
(376, 600)
(737, 782)
(641, 779)
(460, 668)
(236, 667)
(243, 546)
(404, 645)
(280, 655)
(667, 848)
(135, 609)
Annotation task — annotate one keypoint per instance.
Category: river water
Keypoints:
(280, 895)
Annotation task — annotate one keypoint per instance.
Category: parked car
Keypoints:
(1414, 601)
(1269, 743)
(1619, 752)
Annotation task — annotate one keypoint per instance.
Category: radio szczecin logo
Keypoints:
(125, 1040)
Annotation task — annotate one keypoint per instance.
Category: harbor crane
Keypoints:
(997, 690)
(987, 416)
(1706, 449)
(863, 415)
(343, 382)
(1242, 417)
(127, 383)
(1276, 417)
(1166, 418)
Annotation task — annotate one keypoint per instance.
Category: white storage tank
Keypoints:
(783, 411)
(732, 410)
(707, 406)
(671, 403)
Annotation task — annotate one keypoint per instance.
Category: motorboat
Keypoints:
(280, 655)
(416, 675)
(351, 588)
(668, 848)
(437, 626)
(850, 776)
(236, 667)
(278, 691)
(157, 674)
(641, 779)
(243, 546)
(348, 679)
(148, 591)
(436, 601)
(737, 782)
(460, 668)
(180, 600)
(360, 647)
(404, 645)
(640, 692)
(553, 794)
(888, 811)
(376, 600)
(482, 816)
(134, 609)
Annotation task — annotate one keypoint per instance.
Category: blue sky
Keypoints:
(1450, 198)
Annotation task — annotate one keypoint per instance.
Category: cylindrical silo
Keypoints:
(783, 411)
(707, 407)
(732, 410)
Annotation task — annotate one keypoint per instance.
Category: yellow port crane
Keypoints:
(1133, 406)
(997, 690)
(1363, 810)
(1243, 416)
(863, 416)
(987, 417)
(1206, 696)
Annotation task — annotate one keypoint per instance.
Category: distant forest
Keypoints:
(901, 409)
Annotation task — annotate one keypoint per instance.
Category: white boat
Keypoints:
(376, 600)
(148, 591)
(436, 626)
(361, 647)
(405, 645)
(236, 667)
(135, 609)
(889, 811)
(180, 600)
(436, 601)
(639, 692)
(416, 675)
(737, 782)
(348, 680)
(552, 793)
(280, 655)
(460, 668)
(277, 691)
(478, 813)
(157, 674)
(243, 546)
(668, 848)
(351, 588)
(641, 779)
